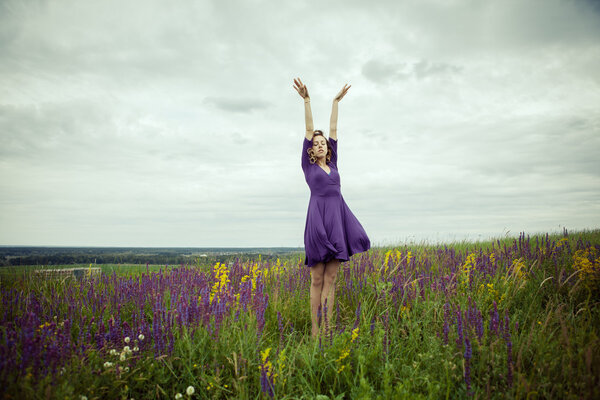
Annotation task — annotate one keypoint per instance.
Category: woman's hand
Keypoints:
(342, 93)
(301, 88)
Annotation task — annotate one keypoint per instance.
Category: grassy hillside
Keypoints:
(512, 318)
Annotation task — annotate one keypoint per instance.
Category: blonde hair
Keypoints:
(311, 152)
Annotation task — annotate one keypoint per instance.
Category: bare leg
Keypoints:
(316, 287)
(331, 270)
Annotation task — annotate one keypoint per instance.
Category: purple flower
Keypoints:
(479, 326)
(280, 324)
(357, 320)
(446, 327)
(468, 356)
(459, 326)
(494, 319)
(372, 324)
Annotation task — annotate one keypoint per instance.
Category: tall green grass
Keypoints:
(387, 338)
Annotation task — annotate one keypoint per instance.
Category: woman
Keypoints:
(332, 233)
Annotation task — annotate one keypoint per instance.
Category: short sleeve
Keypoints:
(305, 157)
(333, 146)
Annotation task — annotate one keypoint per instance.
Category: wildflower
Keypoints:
(122, 358)
(587, 263)
(127, 340)
(354, 334)
(266, 373)
(517, 268)
(467, 356)
(222, 279)
(281, 366)
(446, 328)
(459, 326)
(189, 390)
(108, 364)
(136, 348)
(141, 336)
(126, 349)
(494, 319)
(178, 396)
(126, 369)
(466, 268)
(386, 260)
(82, 397)
(113, 352)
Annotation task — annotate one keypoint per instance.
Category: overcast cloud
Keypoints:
(149, 123)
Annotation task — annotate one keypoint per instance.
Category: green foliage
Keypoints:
(555, 348)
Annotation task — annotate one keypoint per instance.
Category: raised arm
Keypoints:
(334, 113)
(308, 119)
(333, 121)
(303, 92)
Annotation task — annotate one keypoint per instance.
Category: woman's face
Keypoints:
(319, 146)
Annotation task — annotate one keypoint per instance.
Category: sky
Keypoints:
(152, 123)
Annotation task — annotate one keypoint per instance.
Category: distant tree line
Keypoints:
(12, 256)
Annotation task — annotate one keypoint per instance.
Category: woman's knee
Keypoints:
(317, 274)
(331, 271)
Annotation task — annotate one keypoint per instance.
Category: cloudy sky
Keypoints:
(152, 123)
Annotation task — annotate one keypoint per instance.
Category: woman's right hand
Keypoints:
(300, 88)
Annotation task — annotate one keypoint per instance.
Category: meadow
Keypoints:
(507, 318)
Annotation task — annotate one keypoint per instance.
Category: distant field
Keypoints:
(509, 318)
(120, 269)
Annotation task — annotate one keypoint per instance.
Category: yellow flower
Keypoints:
(587, 263)
(264, 354)
(518, 267)
(345, 353)
(386, 260)
(221, 280)
(354, 334)
(404, 310)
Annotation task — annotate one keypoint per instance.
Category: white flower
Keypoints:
(136, 348)
(127, 339)
(189, 390)
(178, 396)
(122, 358)
(107, 364)
(126, 349)
(113, 352)
(126, 369)
(141, 336)
(82, 397)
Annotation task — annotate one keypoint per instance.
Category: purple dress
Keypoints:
(331, 230)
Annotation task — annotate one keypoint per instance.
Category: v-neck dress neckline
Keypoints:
(328, 173)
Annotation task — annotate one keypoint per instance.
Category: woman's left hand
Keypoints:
(342, 93)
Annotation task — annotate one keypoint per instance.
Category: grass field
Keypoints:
(509, 318)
